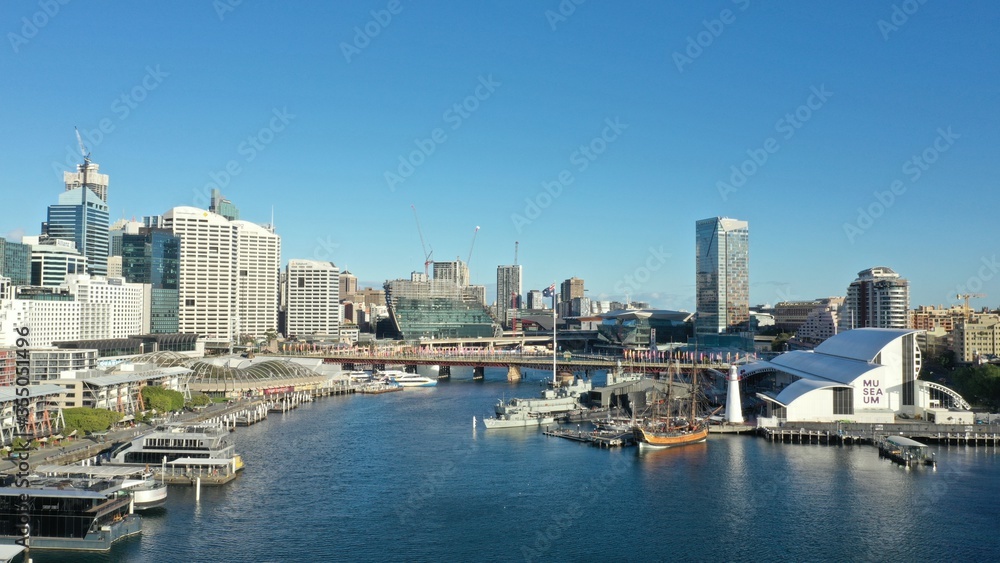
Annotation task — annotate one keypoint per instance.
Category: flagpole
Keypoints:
(554, 321)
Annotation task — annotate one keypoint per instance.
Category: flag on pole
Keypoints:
(549, 291)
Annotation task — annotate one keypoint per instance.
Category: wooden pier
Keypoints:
(846, 433)
(595, 438)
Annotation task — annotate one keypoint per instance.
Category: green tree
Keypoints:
(85, 419)
(980, 385)
(162, 399)
(200, 399)
(778, 344)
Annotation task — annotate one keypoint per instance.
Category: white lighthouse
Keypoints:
(734, 408)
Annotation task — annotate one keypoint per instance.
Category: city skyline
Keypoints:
(570, 147)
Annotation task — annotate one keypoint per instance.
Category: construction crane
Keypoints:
(86, 156)
(967, 296)
(427, 255)
(474, 234)
(83, 148)
(515, 252)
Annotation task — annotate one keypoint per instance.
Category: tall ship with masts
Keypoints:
(670, 426)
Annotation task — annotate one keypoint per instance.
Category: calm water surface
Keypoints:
(403, 477)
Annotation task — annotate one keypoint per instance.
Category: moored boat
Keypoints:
(146, 491)
(516, 417)
(666, 430)
(647, 437)
(68, 514)
(404, 379)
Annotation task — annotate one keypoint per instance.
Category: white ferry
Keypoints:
(404, 379)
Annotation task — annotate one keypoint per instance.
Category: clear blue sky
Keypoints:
(199, 81)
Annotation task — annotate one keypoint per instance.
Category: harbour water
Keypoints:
(403, 477)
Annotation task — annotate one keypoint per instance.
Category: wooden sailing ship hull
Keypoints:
(647, 438)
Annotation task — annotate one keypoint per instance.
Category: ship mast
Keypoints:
(694, 392)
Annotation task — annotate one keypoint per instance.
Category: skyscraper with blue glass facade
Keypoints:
(15, 262)
(153, 257)
(722, 282)
(81, 216)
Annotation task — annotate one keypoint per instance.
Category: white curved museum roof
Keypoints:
(838, 361)
(798, 388)
(861, 343)
(813, 365)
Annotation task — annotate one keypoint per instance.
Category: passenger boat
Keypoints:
(67, 514)
(146, 491)
(404, 379)
(359, 376)
(172, 442)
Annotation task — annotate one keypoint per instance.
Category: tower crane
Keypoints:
(474, 234)
(423, 246)
(83, 148)
(967, 296)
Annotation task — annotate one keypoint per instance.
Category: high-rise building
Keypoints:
(15, 262)
(114, 266)
(53, 259)
(109, 308)
(152, 258)
(223, 206)
(978, 336)
(879, 298)
(116, 231)
(207, 280)
(49, 320)
(722, 282)
(258, 261)
(313, 298)
(87, 176)
(348, 285)
(82, 217)
(571, 289)
(456, 272)
(508, 292)
(536, 300)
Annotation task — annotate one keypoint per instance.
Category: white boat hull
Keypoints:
(147, 494)
(531, 422)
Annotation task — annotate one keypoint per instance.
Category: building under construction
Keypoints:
(443, 307)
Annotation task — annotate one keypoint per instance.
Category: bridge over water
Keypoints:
(514, 362)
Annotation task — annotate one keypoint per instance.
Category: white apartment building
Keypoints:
(110, 307)
(207, 285)
(313, 298)
(47, 321)
(53, 259)
(879, 298)
(258, 261)
(821, 323)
